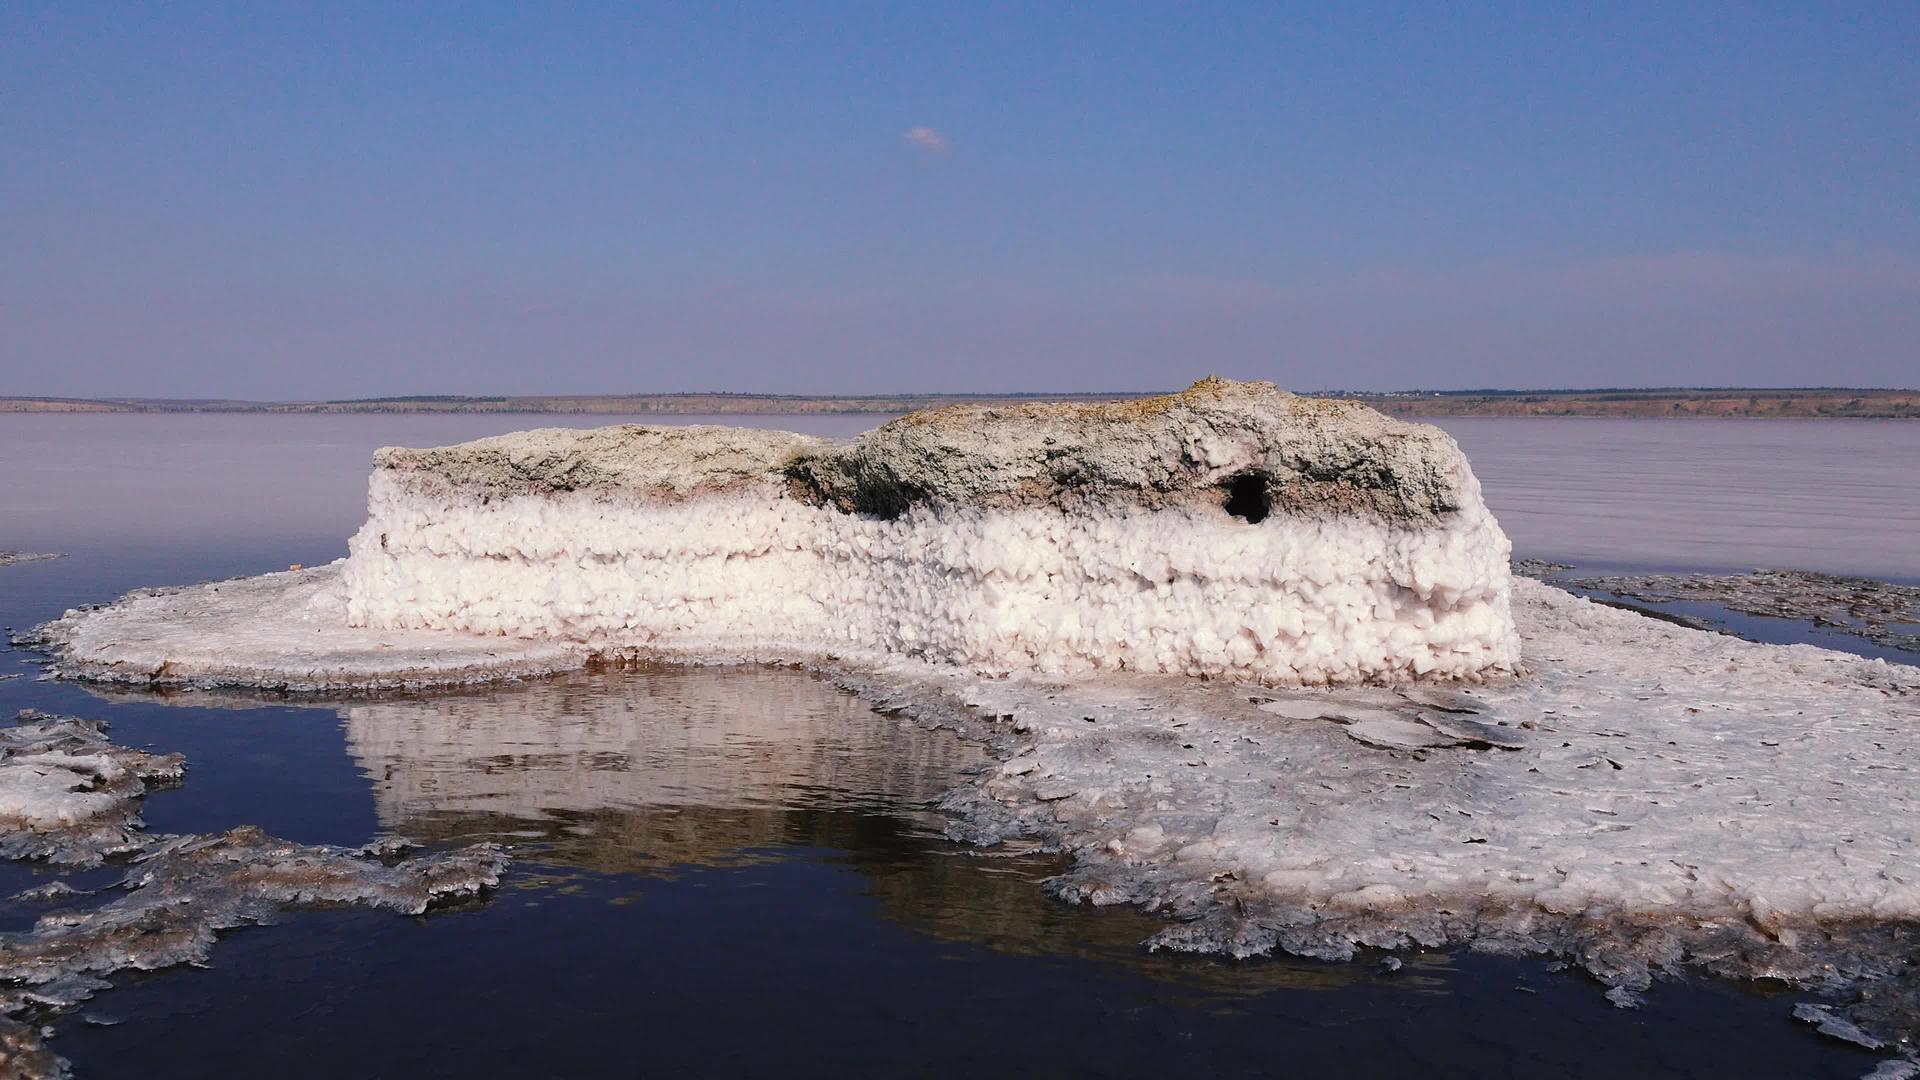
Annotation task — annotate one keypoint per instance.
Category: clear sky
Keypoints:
(273, 200)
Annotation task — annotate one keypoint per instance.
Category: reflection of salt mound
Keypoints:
(692, 738)
(635, 772)
(1232, 529)
(660, 771)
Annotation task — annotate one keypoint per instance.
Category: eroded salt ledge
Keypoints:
(1644, 798)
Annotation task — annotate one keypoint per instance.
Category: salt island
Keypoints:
(1254, 661)
(1231, 531)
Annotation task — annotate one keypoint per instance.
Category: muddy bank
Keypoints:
(1882, 612)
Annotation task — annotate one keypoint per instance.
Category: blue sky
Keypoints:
(285, 201)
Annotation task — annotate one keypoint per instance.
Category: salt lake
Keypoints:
(744, 871)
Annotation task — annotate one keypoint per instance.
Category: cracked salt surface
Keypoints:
(1675, 800)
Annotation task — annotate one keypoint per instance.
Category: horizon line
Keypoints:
(968, 394)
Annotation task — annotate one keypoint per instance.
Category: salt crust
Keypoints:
(71, 797)
(1174, 591)
(1680, 800)
(1663, 770)
(285, 631)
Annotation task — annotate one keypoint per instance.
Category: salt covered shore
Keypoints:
(1253, 661)
(69, 796)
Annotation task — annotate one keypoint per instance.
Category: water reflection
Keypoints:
(654, 773)
(706, 853)
(631, 772)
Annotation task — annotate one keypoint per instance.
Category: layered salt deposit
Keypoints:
(1231, 530)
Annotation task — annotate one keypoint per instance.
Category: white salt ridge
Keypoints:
(1182, 591)
(1229, 531)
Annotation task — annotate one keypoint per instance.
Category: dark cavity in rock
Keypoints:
(1247, 497)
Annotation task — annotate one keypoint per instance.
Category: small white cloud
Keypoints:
(925, 138)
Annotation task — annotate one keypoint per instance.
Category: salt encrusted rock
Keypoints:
(666, 463)
(1214, 442)
(1230, 530)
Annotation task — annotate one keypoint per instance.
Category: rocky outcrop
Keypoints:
(668, 464)
(1246, 448)
(10, 558)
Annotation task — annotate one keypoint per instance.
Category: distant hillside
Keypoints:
(1671, 402)
(1811, 403)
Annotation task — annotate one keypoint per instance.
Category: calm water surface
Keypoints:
(1836, 496)
(742, 872)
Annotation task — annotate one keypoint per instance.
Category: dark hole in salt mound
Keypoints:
(1247, 497)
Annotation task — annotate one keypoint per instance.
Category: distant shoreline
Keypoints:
(1808, 403)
